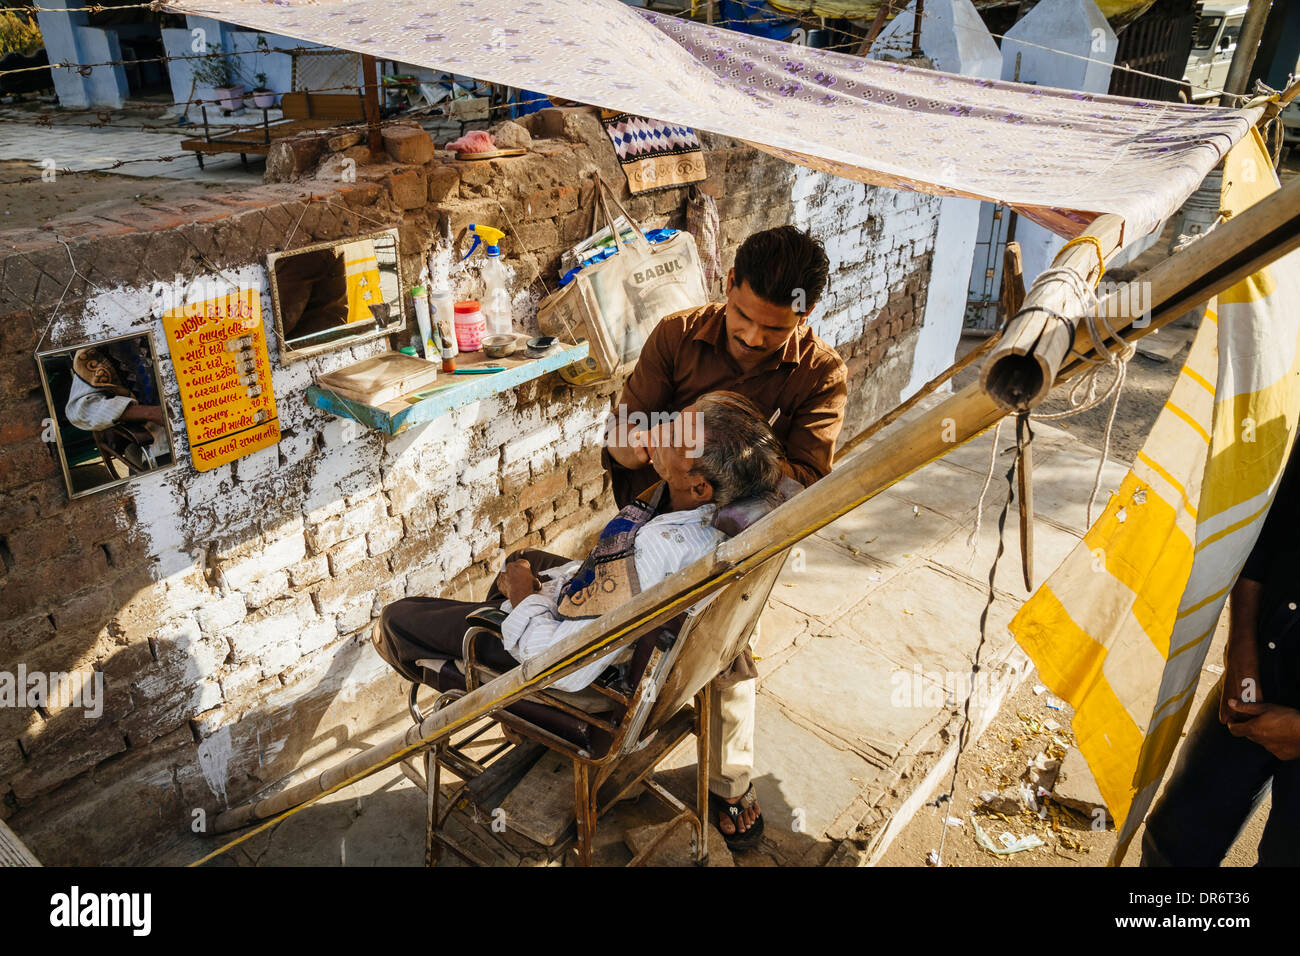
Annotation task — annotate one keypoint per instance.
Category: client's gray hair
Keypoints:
(739, 455)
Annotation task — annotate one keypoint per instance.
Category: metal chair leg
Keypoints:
(432, 777)
(703, 719)
(584, 805)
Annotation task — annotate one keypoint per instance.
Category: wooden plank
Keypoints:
(303, 105)
(541, 806)
(12, 850)
(452, 392)
(490, 787)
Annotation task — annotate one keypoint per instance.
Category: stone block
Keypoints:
(408, 188)
(408, 144)
(341, 141)
(510, 135)
(289, 159)
(444, 182)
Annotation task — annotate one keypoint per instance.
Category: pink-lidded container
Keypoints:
(471, 326)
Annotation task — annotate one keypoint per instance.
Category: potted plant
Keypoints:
(217, 71)
(263, 98)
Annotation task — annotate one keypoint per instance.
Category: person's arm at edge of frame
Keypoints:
(810, 445)
(1241, 655)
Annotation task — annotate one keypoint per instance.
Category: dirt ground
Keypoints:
(997, 760)
(26, 205)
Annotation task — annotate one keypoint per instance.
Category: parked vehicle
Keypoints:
(1213, 43)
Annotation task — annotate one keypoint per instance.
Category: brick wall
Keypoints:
(229, 610)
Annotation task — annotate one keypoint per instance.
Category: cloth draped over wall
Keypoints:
(1122, 627)
(1059, 157)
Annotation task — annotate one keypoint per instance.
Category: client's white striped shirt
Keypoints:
(662, 547)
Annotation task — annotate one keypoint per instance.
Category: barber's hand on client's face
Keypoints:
(517, 581)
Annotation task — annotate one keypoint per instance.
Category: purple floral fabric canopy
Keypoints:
(1058, 156)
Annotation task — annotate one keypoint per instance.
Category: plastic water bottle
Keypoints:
(496, 297)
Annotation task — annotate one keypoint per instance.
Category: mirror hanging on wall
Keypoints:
(107, 415)
(335, 294)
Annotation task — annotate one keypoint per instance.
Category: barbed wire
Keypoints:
(926, 14)
(156, 6)
(44, 119)
(84, 69)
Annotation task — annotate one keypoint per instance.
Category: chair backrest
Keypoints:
(715, 633)
(715, 630)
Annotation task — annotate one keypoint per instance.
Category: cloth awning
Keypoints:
(1059, 157)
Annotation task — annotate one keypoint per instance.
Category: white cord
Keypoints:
(1089, 381)
(988, 479)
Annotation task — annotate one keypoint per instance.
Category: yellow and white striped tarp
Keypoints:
(1121, 628)
(361, 266)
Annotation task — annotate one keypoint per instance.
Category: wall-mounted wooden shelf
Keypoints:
(449, 393)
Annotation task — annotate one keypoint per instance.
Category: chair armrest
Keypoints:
(487, 617)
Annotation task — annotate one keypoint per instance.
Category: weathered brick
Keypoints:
(540, 516)
(407, 144)
(266, 589)
(385, 536)
(513, 529)
(78, 755)
(592, 490)
(567, 503)
(360, 578)
(547, 489)
(346, 555)
(307, 572)
(408, 188)
(444, 182)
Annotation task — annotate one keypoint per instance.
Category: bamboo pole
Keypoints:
(1235, 249)
(1020, 370)
(1252, 30)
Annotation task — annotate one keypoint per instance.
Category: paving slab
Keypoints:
(778, 628)
(823, 580)
(887, 530)
(927, 620)
(796, 770)
(840, 685)
(1051, 544)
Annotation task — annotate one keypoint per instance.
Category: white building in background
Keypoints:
(955, 39)
(1062, 43)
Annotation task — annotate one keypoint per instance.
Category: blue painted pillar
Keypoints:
(69, 39)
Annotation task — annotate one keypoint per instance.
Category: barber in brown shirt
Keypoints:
(757, 343)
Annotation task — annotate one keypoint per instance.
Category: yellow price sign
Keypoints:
(218, 348)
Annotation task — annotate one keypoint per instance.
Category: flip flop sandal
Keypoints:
(737, 840)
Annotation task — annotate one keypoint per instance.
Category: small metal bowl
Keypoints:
(540, 346)
(499, 346)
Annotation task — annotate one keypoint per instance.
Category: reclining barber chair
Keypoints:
(616, 731)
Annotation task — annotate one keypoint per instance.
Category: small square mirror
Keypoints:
(335, 294)
(107, 415)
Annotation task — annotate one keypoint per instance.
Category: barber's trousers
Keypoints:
(731, 738)
(424, 627)
(1216, 786)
